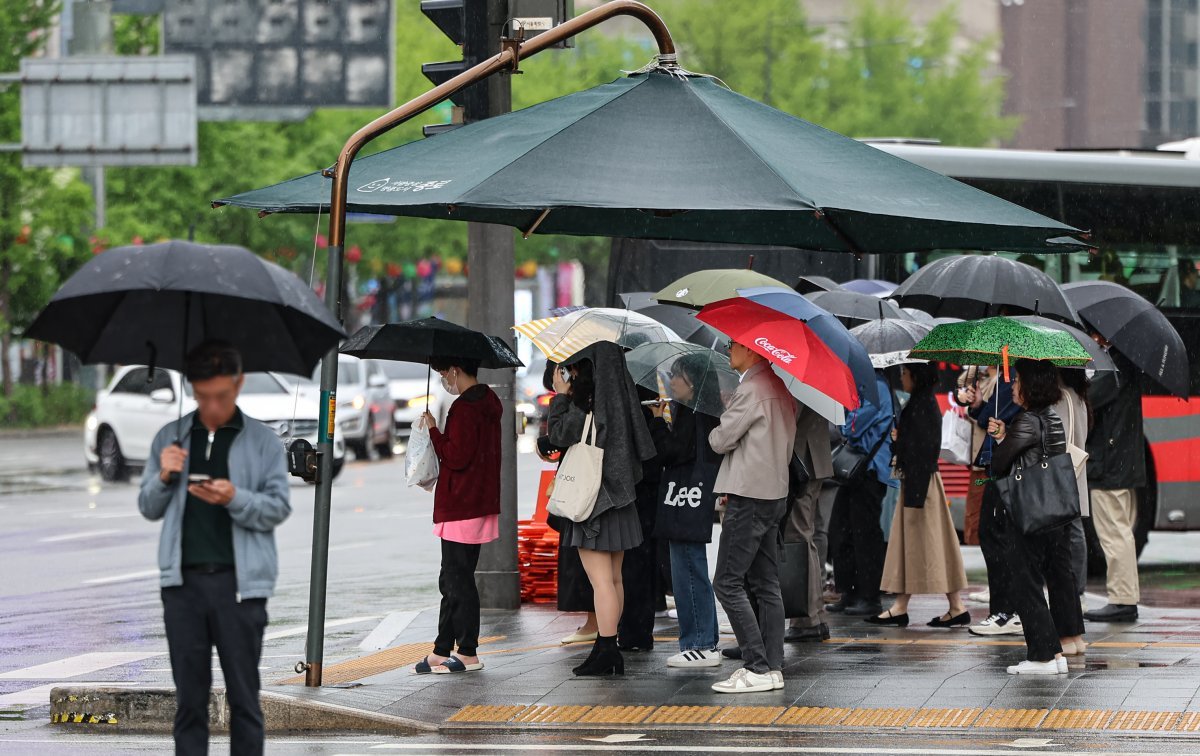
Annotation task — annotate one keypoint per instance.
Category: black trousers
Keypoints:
(639, 574)
(1045, 559)
(202, 613)
(856, 539)
(995, 542)
(458, 619)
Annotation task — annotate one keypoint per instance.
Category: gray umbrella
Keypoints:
(852, 305)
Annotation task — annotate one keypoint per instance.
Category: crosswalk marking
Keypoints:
(74, 666)
(121, 578)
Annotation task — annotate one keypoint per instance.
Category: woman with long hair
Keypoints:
(597, 382)
(923, 555)
(1044, 558)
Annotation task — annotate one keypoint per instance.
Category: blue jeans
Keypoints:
(694, 599)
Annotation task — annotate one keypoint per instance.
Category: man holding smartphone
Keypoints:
(217, 549)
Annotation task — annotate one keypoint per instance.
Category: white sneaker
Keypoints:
(745, 681)
(673, 614)
(696, 658)
(980, 597)
(1062, 665)
(777, 678)
(998, 624)
(1035, 668)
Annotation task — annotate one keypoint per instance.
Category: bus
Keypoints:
(1142, 209)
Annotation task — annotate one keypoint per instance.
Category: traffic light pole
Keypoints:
(507, 59)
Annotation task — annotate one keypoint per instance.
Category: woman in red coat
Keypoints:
(466, 510)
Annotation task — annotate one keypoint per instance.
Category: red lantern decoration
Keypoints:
(424, 268)
(393, 270)
(322, 241)
(354, 255)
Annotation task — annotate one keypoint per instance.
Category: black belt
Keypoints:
(209, 568)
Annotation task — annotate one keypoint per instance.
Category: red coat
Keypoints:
(468, 452)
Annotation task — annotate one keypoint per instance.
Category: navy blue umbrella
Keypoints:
(827, 328)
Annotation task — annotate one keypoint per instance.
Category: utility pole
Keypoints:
(490, 290)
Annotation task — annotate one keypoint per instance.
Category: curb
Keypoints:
(152, 710)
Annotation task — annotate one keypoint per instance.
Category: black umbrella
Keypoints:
(810, 284)
(980, 286)
(1135, 327)
(853, 305)
(151, 304)
(1100, 358)
(680, 320)
(429, 339)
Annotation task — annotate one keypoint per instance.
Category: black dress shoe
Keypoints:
(960, 620)
(733, 652)
(814, 634)
(898, 620)
(1113, 613)
(862, 608)
(839, 606)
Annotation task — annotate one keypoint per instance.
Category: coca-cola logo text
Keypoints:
(778, 353)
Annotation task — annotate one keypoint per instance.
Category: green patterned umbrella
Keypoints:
(984, 342)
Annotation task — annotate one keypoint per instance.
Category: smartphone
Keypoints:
(564, 374)
(651, 402)
(199, 478)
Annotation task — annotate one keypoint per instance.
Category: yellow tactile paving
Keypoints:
(812, 715)
(1076, 719)
(878, 717)
(748, 715)
(944, 718)
(551, 714)
(486, 713)
(1189, 723)
(1144, 720)
(1011, 719)
(682, 715)
(374, 664)
(617, 714)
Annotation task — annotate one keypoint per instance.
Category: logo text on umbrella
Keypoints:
(778, 353)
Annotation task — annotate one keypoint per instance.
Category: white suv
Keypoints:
(121, 427)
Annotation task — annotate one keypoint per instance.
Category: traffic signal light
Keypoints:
(465, 23)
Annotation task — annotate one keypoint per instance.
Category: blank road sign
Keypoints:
(108, 111)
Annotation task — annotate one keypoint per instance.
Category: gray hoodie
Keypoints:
(258, 470)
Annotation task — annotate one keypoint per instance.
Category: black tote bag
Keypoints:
(1042, 497)
(686, 501)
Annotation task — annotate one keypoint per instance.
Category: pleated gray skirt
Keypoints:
(620, 530)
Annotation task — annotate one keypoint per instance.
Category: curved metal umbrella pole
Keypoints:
(508, 59)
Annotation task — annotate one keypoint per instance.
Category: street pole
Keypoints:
(490, 290)
(92, 34)
(506, 59)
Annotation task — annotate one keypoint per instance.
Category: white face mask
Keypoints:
(451, 386)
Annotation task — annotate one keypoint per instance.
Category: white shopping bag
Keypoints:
(577, 482)
(956, 437)
(420, 461)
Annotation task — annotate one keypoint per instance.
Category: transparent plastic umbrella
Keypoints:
(705, 378)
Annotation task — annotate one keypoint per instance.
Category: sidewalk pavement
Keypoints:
(1140, 677)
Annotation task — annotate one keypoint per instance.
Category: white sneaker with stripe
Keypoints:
(696, 658)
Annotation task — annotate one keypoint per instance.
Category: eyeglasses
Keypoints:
(729, 344)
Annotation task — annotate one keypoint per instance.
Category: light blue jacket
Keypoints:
(258, 470)
(869, 423)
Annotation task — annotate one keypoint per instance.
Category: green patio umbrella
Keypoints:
(988, 342)
(704, 287)
(673, 156)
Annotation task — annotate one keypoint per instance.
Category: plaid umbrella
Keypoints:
(995, 341)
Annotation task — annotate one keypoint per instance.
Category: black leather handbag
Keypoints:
(849, 464)
(1043, 497)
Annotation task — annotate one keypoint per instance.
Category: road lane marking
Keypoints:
(642, 747)
(121, 578)
(302, 629)
(40, 696)
(84, 664)
(388, 630)
(79, 536)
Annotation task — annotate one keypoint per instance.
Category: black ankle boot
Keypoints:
(605, 659)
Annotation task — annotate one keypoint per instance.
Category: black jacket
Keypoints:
(917, 446)
(1116, 451)
(1023, 441)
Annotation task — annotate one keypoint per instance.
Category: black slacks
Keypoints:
(458, 617)
(856, 539)
(639, 574)
(202, 613)
(995, 542)
(1040, 560)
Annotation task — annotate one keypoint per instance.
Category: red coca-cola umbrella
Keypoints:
(785, 342)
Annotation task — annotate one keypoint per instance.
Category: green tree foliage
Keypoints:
(43, 213)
